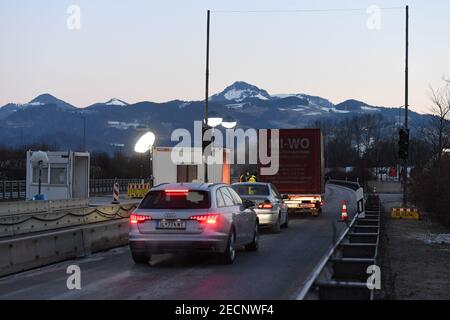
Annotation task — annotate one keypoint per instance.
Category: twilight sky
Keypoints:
(139, 50)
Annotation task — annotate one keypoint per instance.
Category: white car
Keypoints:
(269, 204)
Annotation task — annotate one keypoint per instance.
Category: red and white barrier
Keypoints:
(116, 194)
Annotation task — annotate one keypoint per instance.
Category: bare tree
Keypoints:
(439, 133)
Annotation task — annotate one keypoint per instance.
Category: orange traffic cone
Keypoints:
(344, 216)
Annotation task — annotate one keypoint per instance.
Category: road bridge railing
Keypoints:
(12, 190)
(104, 186)
(16, 189)
(344, 271)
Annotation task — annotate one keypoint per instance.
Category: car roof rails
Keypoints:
(161, 184)
(216, 184)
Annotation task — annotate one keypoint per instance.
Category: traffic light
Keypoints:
(403, 143)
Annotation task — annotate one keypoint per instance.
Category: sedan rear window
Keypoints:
(251, 189)
(176, 199)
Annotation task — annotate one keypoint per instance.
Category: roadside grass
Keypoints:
(414, 258)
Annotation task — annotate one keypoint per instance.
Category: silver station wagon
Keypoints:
(182, 217)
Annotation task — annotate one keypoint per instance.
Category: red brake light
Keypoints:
(136, 218)
(206, 218)
(265, 205)
(176, 192)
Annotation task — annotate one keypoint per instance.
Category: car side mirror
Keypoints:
(284, 196)
(248, 204)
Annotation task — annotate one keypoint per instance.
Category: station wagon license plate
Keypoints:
(171, 224)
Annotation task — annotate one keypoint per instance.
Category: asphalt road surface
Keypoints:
(277, 271)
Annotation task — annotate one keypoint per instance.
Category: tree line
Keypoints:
(102, 164)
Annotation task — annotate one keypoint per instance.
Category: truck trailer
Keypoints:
(166, 169)
(300, 177)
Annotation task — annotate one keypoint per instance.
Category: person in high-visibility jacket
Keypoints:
(244, 177)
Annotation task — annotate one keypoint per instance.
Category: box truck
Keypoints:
(169, 168)
(300, 177)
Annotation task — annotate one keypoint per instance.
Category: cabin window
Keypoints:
(44, 177)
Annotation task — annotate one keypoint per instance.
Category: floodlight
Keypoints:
(145, 143)
(39, 158)
(228, 122)
(214, 119)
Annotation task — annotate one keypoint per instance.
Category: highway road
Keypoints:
(277, 271)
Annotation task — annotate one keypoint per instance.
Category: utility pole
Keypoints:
(405, 164)
(84, 132)
(205, 124)
(150, 152)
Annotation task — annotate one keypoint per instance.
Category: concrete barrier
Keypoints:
(24, 223)
(347, 184)
(106, 235)
(359, 194)
(23, 253)
(28, 207)
(37, 233)
(31, 251)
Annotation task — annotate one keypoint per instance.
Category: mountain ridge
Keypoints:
(117, 122)
(239, 91)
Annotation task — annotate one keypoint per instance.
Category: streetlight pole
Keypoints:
(84, 132)
(150, 151)
(206, 94)
(405, 163)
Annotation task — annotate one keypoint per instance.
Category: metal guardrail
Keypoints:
(16, 189)
(98, 186)
(12, 189)
(342, 273)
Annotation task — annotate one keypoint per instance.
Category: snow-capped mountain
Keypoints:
(48, 99)
(243, 97)
(51, 120)
(41, 100)
(112, 102)
(240, 91)
(116, 102)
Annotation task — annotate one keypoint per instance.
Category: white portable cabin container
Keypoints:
(169, 169)
(66, 176)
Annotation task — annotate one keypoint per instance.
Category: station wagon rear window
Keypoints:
(176, 199)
